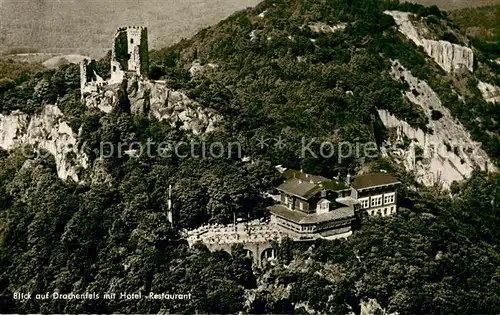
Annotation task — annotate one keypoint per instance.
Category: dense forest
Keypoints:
(439, 254)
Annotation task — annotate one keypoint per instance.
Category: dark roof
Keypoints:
(334, 185)
(373, 180)
(300, 188)
(288, 174)
(329, 184)
(303, 218)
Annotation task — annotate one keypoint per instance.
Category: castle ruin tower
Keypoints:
(130, 53)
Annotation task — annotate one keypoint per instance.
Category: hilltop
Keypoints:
(82, 27)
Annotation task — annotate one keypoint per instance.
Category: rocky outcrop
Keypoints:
(491, 93)
(319, 27)
(197, 68)
(448, 152)
(157, 100)
(451, 57)
(46, 131)
(104, 101)
(173, 107)
(371, 306)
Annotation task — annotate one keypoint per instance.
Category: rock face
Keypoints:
(491, 93)
(47, 131)
(450, 57)
(448, 152)
(157, 100)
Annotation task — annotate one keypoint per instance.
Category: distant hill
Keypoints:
(86, 26)
(456, 4)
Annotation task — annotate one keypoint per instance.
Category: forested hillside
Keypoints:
(483, 26)
(272, 75)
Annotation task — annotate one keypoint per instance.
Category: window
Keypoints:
(389, 198)
(385, 211)
(131, 40)
(114, 68)
(364, 203)
(376, 201)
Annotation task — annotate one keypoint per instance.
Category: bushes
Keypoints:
(6, 84)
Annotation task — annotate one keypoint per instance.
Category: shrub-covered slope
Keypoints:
(274, 71)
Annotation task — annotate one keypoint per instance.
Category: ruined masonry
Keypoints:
(129, 59)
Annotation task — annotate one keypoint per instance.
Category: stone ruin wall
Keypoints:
(137, 63)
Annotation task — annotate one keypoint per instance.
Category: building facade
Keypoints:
(311, 207)
(376, 193)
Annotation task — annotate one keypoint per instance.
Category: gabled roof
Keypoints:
(304, 218)
(327, 183)
(300, 188)
(334, 185)
(289, 174)
(373, 180)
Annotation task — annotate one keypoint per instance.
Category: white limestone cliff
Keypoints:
(491, 93)
(162, 103)
(450, 57)
(47, 131)
(449, 153)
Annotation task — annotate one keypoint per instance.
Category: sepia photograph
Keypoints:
(247, 157)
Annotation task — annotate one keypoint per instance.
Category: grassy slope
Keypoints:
(86, 26)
